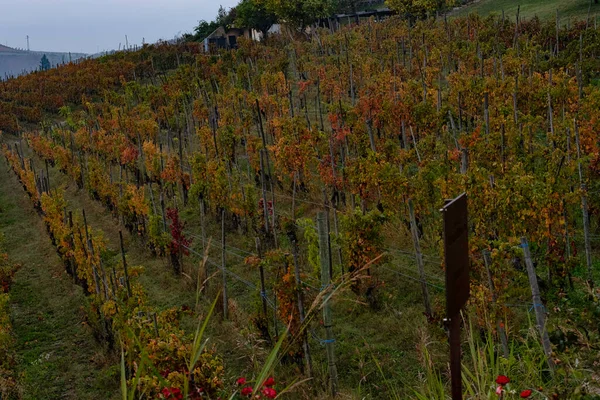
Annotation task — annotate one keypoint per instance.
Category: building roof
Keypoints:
(220, 31)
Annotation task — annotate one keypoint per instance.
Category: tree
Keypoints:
(348, 5)
(224, 18)
(300, 13)
(255, 15)
(204, 29)
(45, 64)
(418, 8)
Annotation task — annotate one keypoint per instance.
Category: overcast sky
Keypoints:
(90, 26)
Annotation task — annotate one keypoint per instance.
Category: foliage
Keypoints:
(159, 239)
(419, 8)
(82, 248)
(45, 63)
(7, 269)
(9, 387)
(312, 239)
(300, 13)
(349, 6)
(179, 244)
(225, 17)
(254, 14)
(204, 28)
(363, 238)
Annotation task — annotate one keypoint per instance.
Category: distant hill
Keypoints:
(15, 62)
(4, 49)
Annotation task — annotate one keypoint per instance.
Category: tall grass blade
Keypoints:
(268, 366)
(198, 346)
(123, 376)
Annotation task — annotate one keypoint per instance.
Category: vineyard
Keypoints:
(264, 222)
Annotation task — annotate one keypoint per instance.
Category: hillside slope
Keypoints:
(306, 175)
(544, 9)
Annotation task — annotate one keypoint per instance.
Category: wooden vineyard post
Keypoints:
(294, 196)
(516, 36)
(47, 174)
(223, 266)
(263, 292)
(266, 164)
(328, 230)
(567, 241)
(204, 246)
(419, 256)
(90, 247)
(515, 101)
(557, 34)
(264, 191)
(104, 281)
(203, 225)
(121, 190)
(540, 314)
(585, 211)
(499, 325)
(97, 277)
(71, 259)
(155, 323)
(183, 190)
(460, 118)
(486, 113)
(404, 138)
(339, 247)
(550, 109)
(151, 192)
(162, 209)
(305, 346)
(456, 254)
(127, 284)
(325, 284)
(414, 143)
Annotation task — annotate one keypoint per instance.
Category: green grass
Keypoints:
(365, 353)
(58, 357)
(163, 287)
(544, 9)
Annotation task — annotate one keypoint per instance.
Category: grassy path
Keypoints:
(163, 287)
(58, 356)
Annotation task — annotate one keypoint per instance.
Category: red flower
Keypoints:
(247, 391)
(270, 393)
(525, 394)
(241, 381)
(270, 382)
(172, 393)
(502, 380)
